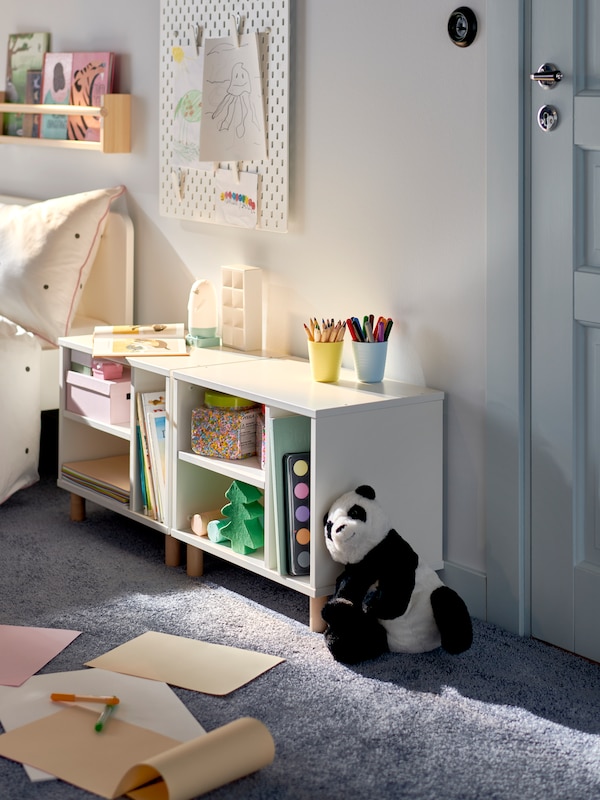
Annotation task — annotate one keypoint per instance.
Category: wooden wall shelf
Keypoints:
(115, 129)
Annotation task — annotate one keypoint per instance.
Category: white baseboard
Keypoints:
(470, 585)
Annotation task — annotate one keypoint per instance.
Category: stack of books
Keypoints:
(108, 476)
(151, 436)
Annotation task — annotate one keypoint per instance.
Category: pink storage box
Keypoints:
(99, 399)
(108, 370)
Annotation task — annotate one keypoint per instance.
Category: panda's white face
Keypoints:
(354, 525)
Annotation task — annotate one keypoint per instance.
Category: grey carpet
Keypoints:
(511, 718)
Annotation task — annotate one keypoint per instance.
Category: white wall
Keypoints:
(387, 196)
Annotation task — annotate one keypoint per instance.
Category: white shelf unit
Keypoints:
(389, 435)
(82, 438)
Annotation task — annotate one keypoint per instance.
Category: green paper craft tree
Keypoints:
(243, 525)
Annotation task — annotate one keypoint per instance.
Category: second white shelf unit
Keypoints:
(388, 435)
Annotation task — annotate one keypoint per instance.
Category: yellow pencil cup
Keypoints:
(325, 360)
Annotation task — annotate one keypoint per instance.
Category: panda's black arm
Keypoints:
(395, 563)
(354, 582)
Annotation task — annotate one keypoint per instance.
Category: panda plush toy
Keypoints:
(386, 599)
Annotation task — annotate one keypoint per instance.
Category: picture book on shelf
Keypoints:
(154, 409)
(33, 94)
(92, 78)
(151, 428)
(140, 340)
(56, 87)
(145, 463)
(25, 52)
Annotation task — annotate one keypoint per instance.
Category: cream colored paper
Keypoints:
(188, 663)
(149, 704)
(123, 757)
(194, 768)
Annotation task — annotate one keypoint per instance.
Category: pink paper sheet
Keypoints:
(24, 650)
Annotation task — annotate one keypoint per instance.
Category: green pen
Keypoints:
(103, 718)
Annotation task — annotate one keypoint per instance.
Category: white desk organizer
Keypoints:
(241, 307)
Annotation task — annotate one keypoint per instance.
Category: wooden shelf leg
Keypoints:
(195, 561)
(172, 551)
(77, 512)
(316, 621)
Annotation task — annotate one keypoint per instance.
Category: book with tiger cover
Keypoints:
(25, 51)
(92, 77)
(56, 87)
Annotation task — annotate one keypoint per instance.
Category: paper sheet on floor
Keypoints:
(128, 759)
(188, 663)
(149, 704)
(25, 650)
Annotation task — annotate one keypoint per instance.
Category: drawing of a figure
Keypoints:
(233, 127)
(188, 113)
(236, 103)
(187, 110)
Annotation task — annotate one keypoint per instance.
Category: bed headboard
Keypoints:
(107, 297)
(108, 293)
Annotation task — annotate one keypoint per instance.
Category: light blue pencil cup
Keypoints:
(369, 360)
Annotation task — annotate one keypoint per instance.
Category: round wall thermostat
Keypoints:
(462, 26)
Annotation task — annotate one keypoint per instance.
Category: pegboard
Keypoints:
(187, 193)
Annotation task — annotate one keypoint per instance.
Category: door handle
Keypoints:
(547, 76)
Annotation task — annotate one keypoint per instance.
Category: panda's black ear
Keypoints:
(366, 491)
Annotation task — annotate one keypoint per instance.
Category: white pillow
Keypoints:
(47, 250)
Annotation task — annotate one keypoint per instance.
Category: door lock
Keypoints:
(547, 118)
(547, 76)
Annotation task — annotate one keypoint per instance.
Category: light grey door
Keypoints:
(565, 326)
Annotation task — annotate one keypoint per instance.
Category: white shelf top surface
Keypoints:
(164, 365)
(198, 357)
(288, 384)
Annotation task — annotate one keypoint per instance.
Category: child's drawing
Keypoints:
(187, 114)
(233, 125)
(234, 107)
(236, 200)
